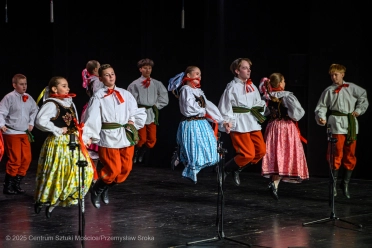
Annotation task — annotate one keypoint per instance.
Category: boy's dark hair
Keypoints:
(144, 62)
(102, 68)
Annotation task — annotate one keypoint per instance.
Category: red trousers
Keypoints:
(147, 136)
(18, 150)
(343, 153)
(249, 147)
(117, 163)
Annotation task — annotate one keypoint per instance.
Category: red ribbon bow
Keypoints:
(146, 82)
(24, 98)
(248, 86)
(117, 93)
(340, 87)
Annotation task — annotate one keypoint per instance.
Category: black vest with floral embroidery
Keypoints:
(65, 116)
(277, 110)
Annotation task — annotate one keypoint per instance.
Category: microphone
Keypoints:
(72, 144)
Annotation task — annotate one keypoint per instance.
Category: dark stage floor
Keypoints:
(155, 207)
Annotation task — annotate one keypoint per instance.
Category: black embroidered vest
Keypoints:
(65, 117)
(277, 110)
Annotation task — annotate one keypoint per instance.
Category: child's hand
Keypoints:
(321, 121)
(88, 143)
(131, 122)
(64, 130)
(227, 126)
(30, 127)
(4, 128)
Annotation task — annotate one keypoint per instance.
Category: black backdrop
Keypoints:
(299, 40)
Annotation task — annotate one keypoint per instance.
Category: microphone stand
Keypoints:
(220, 199)
(81, 164)
(331, 148)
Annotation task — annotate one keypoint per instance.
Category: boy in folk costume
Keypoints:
(153, 96)
(346, 101)
(17, 115)
(241, 107)
(112, 121)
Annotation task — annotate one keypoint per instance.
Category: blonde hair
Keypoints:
(336, 67)
(273, 82)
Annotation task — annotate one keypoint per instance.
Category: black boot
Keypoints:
(335, 175)
(96, 192)
(141, 154)
(9, 185)
(135, 155)
(17, 184)
(345, 183)
(104, 195)
(231, 166)
(273, 190)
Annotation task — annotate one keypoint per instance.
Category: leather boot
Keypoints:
(141, 154)
(335, 175)
(345, 183)
(17, 184)
(230, 167)
(9, 185)
(104, 195)
(135, 155)
(96, 192)
(273, 190)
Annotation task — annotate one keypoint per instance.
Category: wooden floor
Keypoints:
(155, 207)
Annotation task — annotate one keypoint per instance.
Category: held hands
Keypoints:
(3, 128)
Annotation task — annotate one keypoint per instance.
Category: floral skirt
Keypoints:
(198, 147)
(58, 177)
(284, 152)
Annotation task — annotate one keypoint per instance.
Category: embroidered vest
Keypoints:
(277, 110)
(64, 117)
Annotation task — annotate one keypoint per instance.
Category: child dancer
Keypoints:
(92, 84)
(110, 113)
(153, 96)
(195, 137)
(285, 158)
(17, 114)
(58, 177)
(241, 105)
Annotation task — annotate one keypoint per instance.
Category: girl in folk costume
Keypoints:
(58, 176)
(285, 158)
(195, 137)
(92, 84)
